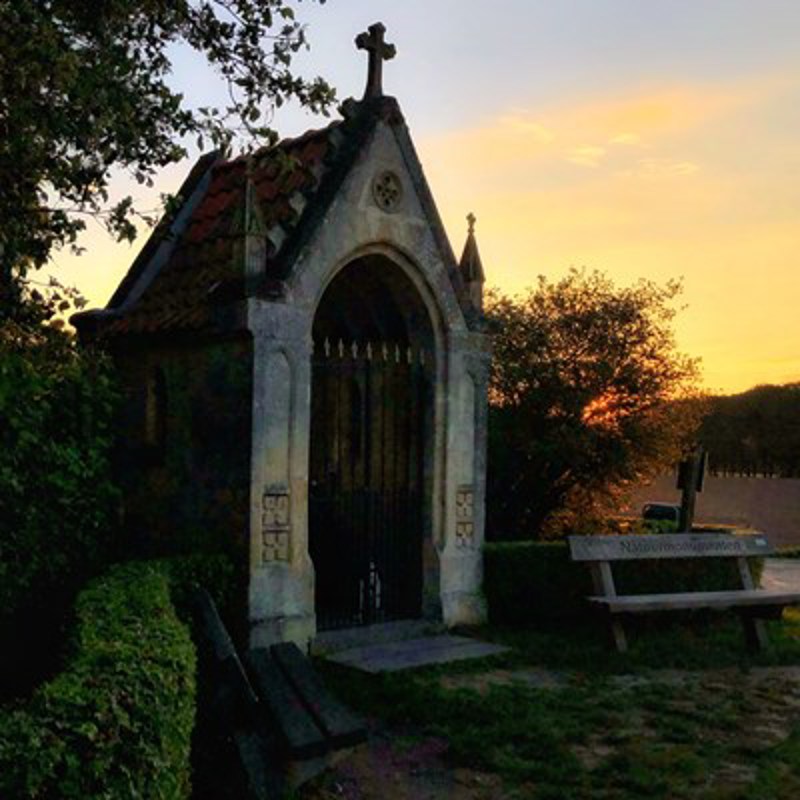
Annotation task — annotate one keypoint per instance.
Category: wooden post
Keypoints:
(755, 631)
(690, 481)
(603, 581)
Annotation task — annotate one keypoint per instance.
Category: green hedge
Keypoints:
(117, 722)
(537, 582)
(214, 572)
(58, 507)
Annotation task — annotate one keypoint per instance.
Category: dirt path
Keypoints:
(386, 768)
(782, 574)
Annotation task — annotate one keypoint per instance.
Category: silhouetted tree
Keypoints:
(756, 432)
(588, 395)
(84, 88)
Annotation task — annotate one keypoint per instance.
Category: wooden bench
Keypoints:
(268, 725)
(750, 602)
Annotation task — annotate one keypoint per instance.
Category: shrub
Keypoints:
(57, 502)
(537, 582)
(117, 722)
(214, 572)
(588, 394)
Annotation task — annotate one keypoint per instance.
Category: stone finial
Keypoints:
(471, 267)
(379, 51)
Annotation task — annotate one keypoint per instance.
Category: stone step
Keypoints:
(419, 652)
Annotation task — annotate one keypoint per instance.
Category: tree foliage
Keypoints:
(57, 501)
(756, 432)
(84, 89)
(588, 394)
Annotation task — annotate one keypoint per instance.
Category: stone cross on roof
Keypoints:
(379, 51)
(471, 220)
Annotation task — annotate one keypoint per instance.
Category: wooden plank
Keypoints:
(295, 726)
(258, 774)
(668, 545)
(340, 725)
(230, 695)
(635, 604)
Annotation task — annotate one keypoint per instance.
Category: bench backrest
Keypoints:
(668, 545)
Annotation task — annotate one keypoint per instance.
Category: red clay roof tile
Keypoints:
(206, 253)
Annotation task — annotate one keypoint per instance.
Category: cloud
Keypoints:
(693, 181)
(626, 138)
(528, 127)
(591, 132)
(662, 168)
(586, 155)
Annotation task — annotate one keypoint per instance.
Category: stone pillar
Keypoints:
(281, 590)
(465, 482)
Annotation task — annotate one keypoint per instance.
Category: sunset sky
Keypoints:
(656, 139)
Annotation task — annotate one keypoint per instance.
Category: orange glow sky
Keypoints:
(657, 140)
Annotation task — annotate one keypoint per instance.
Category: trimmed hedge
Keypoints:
(58, 505)
(117, 722)
(537, 582)
(214, 572)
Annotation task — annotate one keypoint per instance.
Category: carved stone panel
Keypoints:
(387, 190)
(465, 516)
(275, 526)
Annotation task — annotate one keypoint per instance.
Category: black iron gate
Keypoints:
(367, 474)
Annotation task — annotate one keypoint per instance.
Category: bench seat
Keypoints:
(644, 603)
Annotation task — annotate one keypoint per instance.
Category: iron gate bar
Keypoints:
(366, 495)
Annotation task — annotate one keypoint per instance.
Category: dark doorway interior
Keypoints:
(369, 429)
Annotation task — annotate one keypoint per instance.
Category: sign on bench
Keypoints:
(750, 602)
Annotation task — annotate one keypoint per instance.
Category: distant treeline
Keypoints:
(755, 433)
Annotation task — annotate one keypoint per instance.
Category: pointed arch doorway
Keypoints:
(371, 446)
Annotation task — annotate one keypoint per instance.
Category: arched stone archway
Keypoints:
(371, 447)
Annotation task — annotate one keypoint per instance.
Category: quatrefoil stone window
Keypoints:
(387, 191)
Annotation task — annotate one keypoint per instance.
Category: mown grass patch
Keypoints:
(720, 725)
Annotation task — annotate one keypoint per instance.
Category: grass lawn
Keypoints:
(686, 714)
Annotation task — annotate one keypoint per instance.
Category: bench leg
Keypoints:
(618, 632)
(755, 633)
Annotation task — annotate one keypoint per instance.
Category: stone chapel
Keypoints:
(305, 378)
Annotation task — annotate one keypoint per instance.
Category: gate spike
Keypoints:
(369, 351)
(410, 355)
(326, 346)
(341, 349)
(354, 348)
(397, 354)
(385, 352)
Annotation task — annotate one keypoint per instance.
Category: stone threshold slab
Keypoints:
(422, 652)
(328, 642)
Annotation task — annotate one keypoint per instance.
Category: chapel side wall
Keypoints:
(189, 492)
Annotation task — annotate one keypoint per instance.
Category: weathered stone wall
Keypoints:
(189, 491)
(282, 576)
